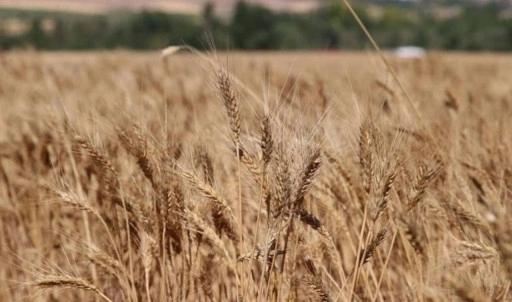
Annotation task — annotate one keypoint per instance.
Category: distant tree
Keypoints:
(252, 27)
(476, 27)
(36, 36)
(208, 17)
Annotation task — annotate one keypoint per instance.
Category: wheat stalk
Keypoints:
(65, 281)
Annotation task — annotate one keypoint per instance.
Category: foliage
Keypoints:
(250, 26)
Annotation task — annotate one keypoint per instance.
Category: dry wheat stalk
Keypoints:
(468, 252)
(222, 223)
(464, 217)
(107, 174)
(251, 163)
(65, 281)
(231, 104)
(266, 143)
(107, 263)
(207, 231)
(424, 178)
(311, 220)
(77, 202)
(204, 162)
(366, 254)
(147, 246)
(258, 254)
(464, 290)
(139, 150)
(205, 277)
(336, 162)
(292, 294)
(208, 191)
(382, 201)
(174, 207)
(308, 175)
(315, 285)
(102, 162)
(414, 234)
(283, 187)
(366, 154)
(451, 101)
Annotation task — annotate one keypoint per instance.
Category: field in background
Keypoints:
(295, 176)
(175, 6)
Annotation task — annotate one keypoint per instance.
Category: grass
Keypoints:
(287, 176)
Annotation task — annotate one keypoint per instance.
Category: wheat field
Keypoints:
(255, 177)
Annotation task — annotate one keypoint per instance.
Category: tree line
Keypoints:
(331, 26)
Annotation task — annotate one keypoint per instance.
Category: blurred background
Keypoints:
(262, 25)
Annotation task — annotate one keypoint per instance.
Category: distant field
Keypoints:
(126, 176)
(174, 6)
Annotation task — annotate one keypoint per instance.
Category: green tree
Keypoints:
(36, 36)
(252, 27)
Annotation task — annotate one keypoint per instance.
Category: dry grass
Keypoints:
(128, 177)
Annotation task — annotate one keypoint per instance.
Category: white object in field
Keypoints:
(169, 51)
(410, 52)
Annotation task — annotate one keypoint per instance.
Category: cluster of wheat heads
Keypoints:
(158, 181)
